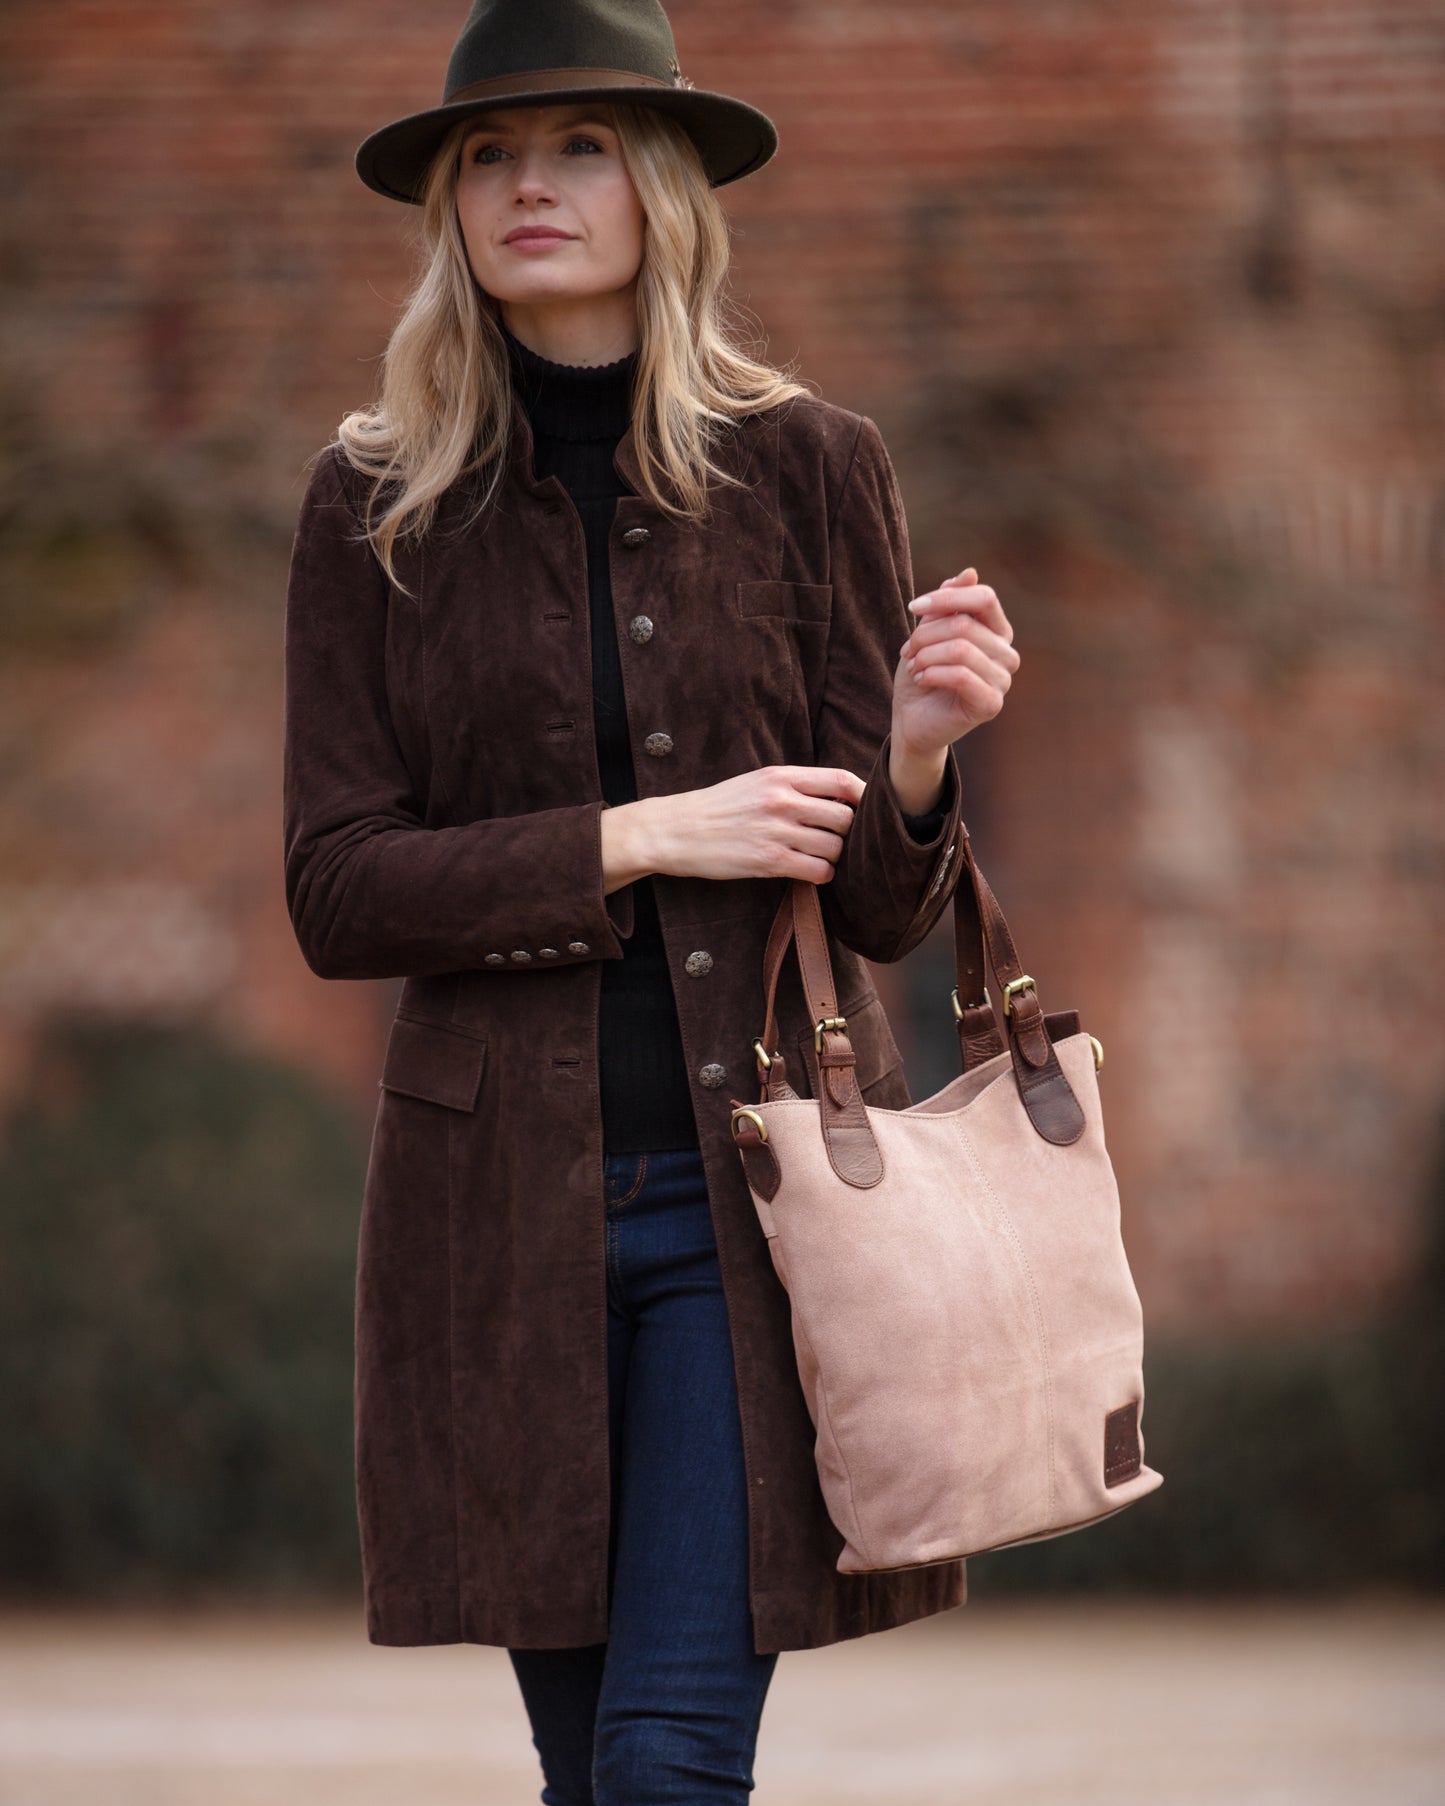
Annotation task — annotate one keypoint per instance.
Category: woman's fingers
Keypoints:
(947, 637)
(960, 612)
(817, 842)
(981, 691)
(958, 597)
(941, 664)
(831, 781)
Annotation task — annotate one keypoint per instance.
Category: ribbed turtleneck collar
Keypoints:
(573, 401)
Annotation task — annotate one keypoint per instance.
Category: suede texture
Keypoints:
(441, 809)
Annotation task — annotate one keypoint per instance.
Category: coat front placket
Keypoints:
(654, 575)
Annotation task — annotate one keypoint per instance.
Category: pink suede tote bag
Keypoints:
(967, 1331)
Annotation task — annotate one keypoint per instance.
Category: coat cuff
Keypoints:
(888, 887)
(505, 894)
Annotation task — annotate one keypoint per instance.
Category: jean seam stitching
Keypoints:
(636, 1185)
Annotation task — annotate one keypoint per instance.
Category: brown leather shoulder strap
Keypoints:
(848, 1134)
(981, 934)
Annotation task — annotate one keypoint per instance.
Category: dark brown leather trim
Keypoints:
(981, 937)
(760, 1163)
(1122, 1454)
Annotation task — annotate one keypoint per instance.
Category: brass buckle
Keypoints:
(752, 1116)
(1017, 984)
(958, 1007)
(826, 1022)
(763, 1059)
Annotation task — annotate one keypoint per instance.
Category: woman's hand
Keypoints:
(953, 669)
(780, 821)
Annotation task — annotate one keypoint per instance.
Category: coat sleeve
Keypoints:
(372, 892)
(890, 885)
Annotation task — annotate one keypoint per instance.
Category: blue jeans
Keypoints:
(666, 1711)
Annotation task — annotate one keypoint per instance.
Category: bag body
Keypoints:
(968, 1334)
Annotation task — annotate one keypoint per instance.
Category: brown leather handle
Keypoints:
(969, 950)
(980, 932)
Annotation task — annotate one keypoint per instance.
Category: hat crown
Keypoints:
(526, 37)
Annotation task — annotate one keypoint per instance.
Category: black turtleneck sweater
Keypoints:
(578, 413)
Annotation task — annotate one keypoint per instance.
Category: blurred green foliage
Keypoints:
(177, 1247)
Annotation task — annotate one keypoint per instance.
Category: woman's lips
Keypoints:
(536, 241)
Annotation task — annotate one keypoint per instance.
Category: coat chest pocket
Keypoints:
(779, 667)
(801, 602)
(434, 1061)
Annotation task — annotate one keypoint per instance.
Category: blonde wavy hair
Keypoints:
(444, 408)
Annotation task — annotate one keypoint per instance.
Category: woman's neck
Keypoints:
(573, 401)
(585, 338)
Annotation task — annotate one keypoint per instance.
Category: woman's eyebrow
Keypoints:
(567, 125)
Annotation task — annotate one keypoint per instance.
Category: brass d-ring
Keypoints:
(753, 1117)
(1098, 1047)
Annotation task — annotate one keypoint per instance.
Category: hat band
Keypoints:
(529, 80)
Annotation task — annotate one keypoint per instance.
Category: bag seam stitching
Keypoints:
(827, 1416)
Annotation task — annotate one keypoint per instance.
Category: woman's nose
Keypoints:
(533, 181)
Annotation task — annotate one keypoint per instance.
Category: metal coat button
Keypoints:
(713, 1075)
(636, 536)
(640, 628)
(696, 964)
(578, 947)
(496, 959)
(658, 744)
(548, 952)
(522, 957)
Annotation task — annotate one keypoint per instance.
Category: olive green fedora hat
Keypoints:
(515, 53)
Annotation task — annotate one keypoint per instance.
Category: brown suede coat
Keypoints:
(441, 823)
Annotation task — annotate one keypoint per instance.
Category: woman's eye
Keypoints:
(480, 153)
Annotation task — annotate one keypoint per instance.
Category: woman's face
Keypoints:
(558, 168)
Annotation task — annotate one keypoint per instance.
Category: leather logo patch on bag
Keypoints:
(1121, 1444)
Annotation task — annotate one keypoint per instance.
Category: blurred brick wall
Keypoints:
(1148, 302)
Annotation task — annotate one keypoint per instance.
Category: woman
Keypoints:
(579, 1428)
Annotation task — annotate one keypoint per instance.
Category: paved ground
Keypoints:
(1033, 1705)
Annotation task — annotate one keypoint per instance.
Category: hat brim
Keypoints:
(732, 137)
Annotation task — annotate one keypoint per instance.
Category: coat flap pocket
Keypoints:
(434, 1061)
(792, 601)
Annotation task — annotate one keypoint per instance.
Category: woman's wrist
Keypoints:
(917, 780)
(630, 842)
